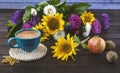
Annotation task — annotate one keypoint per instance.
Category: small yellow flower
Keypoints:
(87, 17)
(53, 23)
(44, 32)
(64, 48)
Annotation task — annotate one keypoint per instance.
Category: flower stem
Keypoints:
(83, 41)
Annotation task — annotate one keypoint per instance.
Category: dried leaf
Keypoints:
(9, 59)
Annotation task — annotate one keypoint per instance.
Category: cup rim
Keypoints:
(39, 33)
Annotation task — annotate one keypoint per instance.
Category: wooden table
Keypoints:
(85, 61)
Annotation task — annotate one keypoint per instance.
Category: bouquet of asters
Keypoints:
(59, 20)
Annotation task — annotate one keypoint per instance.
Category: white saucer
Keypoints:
(21, 55)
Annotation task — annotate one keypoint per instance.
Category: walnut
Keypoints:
(111, 56)
(110, 45)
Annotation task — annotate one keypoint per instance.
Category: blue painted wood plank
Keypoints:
(93, 0)
(61, 0)
(22, 0)
(95, 4)
(15, 5)
(104, 5)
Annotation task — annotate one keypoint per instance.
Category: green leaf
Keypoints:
(76, 39)
(74, 9)
(85, 46)
(28, 8)
(82, 6)
(10, 24)
(67, 12)
(40, 6)
(76, 49)
(79, 8)
(27, 14)
(53, 2)
(61, 7)
(61, 4)
(14, 29)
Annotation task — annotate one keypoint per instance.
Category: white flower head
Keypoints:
(33, 12)
(49, 9)
(58, 34)
(87, 30)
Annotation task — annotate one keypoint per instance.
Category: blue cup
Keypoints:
(26, 44)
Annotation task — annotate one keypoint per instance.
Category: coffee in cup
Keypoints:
(28, 34)
(26, 39)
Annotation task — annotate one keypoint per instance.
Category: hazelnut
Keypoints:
(111, 56)
(110, 45)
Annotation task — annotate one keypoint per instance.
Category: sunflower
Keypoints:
(53, 23)
(87, 17)
(44, 32)
(64, 48)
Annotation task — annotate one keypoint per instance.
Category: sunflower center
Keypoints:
(66, 48)
(53, 24)
(87, 19)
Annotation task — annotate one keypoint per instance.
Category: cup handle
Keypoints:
(9, 42)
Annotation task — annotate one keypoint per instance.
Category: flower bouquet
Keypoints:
(65, 23)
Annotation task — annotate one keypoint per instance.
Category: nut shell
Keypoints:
(110, 45)
(111, 56)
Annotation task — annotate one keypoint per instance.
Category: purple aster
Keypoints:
(105, 21)
(96, 27)
(26, 25)
(17, 16)
(75, 23)
(34, 20)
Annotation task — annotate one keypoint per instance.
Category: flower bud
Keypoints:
(87, 30)
(33, 12)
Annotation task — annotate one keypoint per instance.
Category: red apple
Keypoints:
(96, 45)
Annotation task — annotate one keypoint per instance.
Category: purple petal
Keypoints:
(17, 16)
(26, 25)
(105, 21)
(96, 27)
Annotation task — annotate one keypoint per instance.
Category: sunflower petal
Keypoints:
(64, 48)
(53, 23)
(87, 17)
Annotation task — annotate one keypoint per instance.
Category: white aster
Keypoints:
(33, 12)
(49, 9)
(87, 30)
(58, 34)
